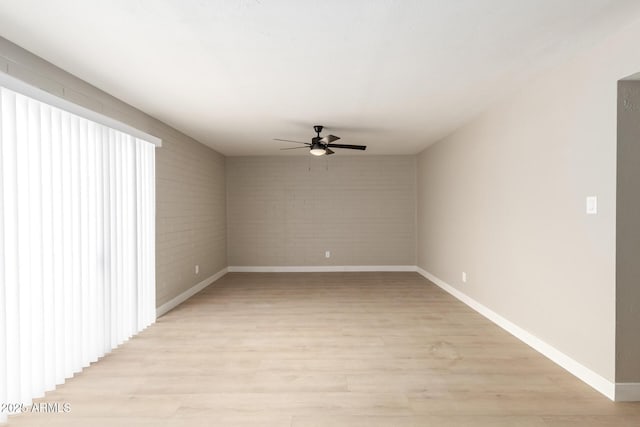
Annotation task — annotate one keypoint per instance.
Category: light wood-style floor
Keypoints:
(327, 349)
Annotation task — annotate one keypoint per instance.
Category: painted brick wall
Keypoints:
(287, 211)
(191, 216)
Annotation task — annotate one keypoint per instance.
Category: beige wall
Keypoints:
(189, 176)
(503, 199)
(287, 211)
(628, 234)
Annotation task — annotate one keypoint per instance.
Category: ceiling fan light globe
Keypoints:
(318, 149)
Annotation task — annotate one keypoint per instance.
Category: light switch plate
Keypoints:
(592, 205)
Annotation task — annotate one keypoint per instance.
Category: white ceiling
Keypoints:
(395, 75)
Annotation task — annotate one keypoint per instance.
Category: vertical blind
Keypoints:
(77, 243)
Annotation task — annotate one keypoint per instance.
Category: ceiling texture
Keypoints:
(396, 75)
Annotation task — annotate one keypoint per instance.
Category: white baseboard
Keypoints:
(627, 392)
(317, 269)
(169, 305)
(593, 379)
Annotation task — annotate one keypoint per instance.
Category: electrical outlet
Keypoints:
(464, 277)
(327, 254)
(197, 269)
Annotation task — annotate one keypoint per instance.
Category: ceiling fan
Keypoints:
(322, 145)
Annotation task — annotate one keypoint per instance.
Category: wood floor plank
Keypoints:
(327, 349)
(418, 421)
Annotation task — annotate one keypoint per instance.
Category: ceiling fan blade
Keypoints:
(329, 139)
(352, 147)
(292, 148)
(329, 151)
(288, 140)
